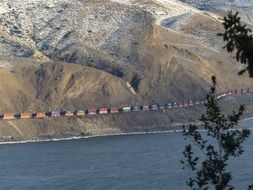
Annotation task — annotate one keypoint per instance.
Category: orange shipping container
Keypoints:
(25, 116)
(8, 116)
(69, 114)
(80, 113)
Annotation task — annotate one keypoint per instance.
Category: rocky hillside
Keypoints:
(61, 54)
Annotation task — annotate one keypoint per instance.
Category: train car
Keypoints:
(92, 111)
(9, 116)
(103, 111)
(175, 105)
(145, 108)
(162, 107)
(217, 96)
(169, 106)
(191, 103)
(203, 102)
(55, 114)
(136, 108)
(69, 113)
(181, 104)
(186, 103)
(114, 110)
(221, 96)
(243, 91)
(40, 115)
(126, 109)
(80, 113)
(228, 93)
(25, 116)
(196, 103)
(154, 107)
(235, 92)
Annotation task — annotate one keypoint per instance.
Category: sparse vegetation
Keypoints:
(210, 169)
(217, 146)
(164, 63)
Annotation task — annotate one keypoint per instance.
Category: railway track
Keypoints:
(117, 110)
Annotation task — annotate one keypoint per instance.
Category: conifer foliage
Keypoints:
(221, 142)
(239, 40)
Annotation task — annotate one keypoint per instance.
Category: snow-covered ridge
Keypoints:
(56, 26)
(244, 7)
(161, 9)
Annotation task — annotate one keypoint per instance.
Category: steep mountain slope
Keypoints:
(60, 54)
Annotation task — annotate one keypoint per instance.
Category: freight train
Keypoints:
(113, 110)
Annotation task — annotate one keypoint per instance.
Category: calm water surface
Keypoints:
(117, 162)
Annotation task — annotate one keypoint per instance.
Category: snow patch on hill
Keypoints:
(245, 7)
(122, 1)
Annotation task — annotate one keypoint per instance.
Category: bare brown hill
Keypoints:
(60, 55)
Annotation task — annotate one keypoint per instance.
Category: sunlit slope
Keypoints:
(61, 54)
(164, 49)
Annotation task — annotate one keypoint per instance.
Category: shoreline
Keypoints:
(102, 135)
(246, 119)
(89, 136)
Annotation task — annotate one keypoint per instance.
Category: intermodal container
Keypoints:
(169, 106)
(218, 96)
(114, 110)
(175, 105)
(162, 107)
(103, 110)
(203, 102)
(186, 103)
(221, 95)
(196, 103)
(69, 113)
(40, 115)
(8, 116)
(243, 91)
(25, 116)
(55, 114)
(80, 113)
(126, 109)
(145, 108)
(229, 93)
(191, 103)
(136, 108)
(92, 111)
(154, 107)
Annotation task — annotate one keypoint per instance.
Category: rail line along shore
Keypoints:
(116, 110)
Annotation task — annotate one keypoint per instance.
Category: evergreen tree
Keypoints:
(221, 142)
(239, 40)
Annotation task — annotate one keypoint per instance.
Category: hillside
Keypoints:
(58, 54)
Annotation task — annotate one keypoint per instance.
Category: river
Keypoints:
(148, 161)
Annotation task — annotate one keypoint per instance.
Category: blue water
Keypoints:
(117, 162)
